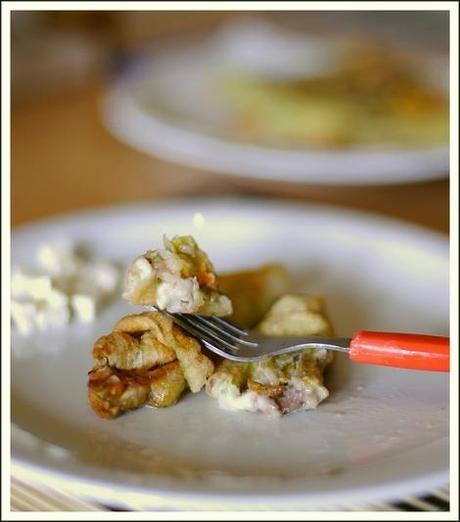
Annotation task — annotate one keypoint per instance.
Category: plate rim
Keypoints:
(284, 204)
(385, 491)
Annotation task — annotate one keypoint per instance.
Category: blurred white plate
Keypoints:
(166, 107)
(382, 433)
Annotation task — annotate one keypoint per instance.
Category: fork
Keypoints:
(399, 350)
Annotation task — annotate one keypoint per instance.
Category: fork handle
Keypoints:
(401, 350)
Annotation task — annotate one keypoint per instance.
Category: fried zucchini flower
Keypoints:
(286, 382)
(146, 359)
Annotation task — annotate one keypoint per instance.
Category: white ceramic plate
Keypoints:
(168, 108)
(382, 433)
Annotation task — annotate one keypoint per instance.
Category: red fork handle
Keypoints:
(401, 350)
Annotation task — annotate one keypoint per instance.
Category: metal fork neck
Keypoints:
(338, 344)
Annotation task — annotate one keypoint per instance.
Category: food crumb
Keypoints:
(62, 285)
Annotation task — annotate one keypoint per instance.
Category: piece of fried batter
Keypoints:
(112, 391)
(125, 351)
(295, 314)
(166, 385)
(195, 365)
(252, 292)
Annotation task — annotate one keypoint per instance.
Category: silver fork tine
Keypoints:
(228, 325)
(183, 323)
(233, 356)
(221, 330)
(204, 333)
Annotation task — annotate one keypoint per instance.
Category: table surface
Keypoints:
(63, 159)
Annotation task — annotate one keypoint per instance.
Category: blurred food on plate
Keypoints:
(369, 95)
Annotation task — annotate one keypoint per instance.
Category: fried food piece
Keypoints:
(296, 315)
(162, 354)
(284, 383)
(111, 391)
(167, 385)
(228, 380)
(124, 351)
(142, 322)
(146, 359)
(228, 384)
(195, 365)
(252, 292)
(304, 388)
(179, 278)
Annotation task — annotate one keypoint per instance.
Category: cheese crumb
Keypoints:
(63, 285)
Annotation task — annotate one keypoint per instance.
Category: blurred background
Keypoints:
(64, 63)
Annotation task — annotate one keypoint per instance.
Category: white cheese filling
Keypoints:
(172, 292)
(229, 397)
(179, 295)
